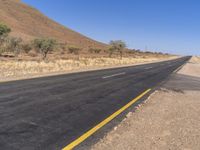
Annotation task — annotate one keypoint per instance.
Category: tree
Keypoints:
(44, 46)
(118, 46)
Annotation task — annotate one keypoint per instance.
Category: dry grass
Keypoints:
(14, 68)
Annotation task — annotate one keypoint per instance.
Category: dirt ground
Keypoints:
(192, 68)
(168, 120)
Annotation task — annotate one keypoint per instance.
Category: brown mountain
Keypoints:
(28, 23)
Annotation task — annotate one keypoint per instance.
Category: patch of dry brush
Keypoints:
(14, 68)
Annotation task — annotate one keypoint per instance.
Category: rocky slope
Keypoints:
(27, 22)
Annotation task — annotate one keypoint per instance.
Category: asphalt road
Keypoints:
(51, 112)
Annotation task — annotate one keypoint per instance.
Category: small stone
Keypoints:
(129, 114)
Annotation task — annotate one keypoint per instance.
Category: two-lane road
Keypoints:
(51, 112)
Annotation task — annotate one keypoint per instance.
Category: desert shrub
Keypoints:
(138, 50)
(26, 48)
(4, 31)
(118, 46)
(2, 49)
(4, 46)
(44, 46)
(111, 50)
(97, 51)
(94, 50)
(14, 45)
(148, 52)
(63, 46)
(74, 50)
(33, 53)
(131, 52)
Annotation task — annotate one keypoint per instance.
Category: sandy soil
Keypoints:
(13, 69)
(192, 68)
(169, 119)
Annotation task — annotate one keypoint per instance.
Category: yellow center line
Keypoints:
(103, 123)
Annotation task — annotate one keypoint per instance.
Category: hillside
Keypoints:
(24, 60)
(28, 23)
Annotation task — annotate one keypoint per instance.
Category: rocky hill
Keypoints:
(28, 23)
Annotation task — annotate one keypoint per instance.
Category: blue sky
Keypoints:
(169, 26)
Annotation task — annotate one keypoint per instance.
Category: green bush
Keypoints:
(4, 30)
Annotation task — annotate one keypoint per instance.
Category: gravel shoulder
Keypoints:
(169, 119)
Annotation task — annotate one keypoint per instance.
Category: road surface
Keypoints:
(51, 112)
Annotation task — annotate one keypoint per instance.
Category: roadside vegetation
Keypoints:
(43, 55)
(43, 47)
(74, 50)
(117, 46)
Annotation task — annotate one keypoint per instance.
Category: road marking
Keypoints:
(114, 75)
(148, 68)
(104, 122)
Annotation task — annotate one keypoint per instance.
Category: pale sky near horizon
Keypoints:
(171, 26)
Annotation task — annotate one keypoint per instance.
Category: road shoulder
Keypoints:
(169, 119)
